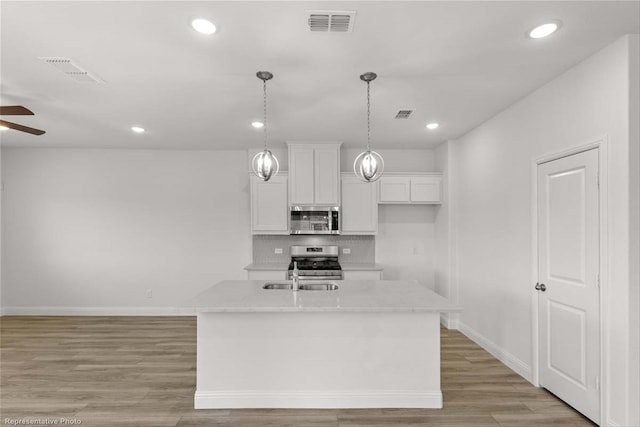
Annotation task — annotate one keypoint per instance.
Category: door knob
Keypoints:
(540, 287)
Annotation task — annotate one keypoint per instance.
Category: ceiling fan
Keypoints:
(18, 110)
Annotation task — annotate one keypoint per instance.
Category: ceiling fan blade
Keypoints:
(15, 110)
(21, 128)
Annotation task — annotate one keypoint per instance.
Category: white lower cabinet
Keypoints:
(359, 206)
(267, 275)
(362, 274)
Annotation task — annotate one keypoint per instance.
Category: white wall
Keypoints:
(406, 241)
(445, 256)
(493, 211)
(90, 231)
(634, 258)
(395, 160)
(97, 228)
(442, 223)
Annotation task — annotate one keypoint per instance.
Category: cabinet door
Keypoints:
(301, 176)
(425, 189)
(359, 206)
(395, 189)
(269, 208)
(327, 176)
(362, 275)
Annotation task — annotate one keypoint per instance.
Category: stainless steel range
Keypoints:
(316, 262)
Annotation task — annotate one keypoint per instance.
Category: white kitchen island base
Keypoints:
(318, 360)
(314, 354)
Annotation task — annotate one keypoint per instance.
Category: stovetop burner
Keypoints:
(306, 264)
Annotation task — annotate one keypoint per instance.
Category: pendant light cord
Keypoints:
(264, 132)
(368, 116)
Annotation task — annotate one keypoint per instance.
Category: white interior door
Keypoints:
(568, 274)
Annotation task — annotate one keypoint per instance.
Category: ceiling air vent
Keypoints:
(72, 69)
(404, 114)
(331, 21)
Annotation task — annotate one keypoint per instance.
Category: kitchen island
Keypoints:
(368, 344)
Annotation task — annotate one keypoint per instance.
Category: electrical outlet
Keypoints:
(346, 251)
(278, 251)
(149, 294)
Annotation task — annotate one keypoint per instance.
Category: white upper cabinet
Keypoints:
(327, 175)
(411, 188)
(301, 168)
(269, 207)
(395, 189)
(425, 189)
(314, 174)
(359, 206)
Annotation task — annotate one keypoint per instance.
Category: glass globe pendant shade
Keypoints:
(368, 166)
(265, 165)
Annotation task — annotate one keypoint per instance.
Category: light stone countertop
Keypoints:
(345, 266)
(268, 267)
(361, 266)
(372, 296)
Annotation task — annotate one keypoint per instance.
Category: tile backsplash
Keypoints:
(264, 247)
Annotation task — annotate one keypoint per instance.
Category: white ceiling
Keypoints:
(458, 63)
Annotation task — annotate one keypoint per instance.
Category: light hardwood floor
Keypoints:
(140, 371)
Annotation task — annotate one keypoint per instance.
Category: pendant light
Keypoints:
(369, 165)
(264, 164)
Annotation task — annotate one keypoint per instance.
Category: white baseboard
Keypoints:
(498, 352)
(317, 399)
(98, 311)
(444, 320)
(449, 320)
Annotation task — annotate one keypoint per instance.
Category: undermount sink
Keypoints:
(278, 285)
(321, 286)
(288, 286)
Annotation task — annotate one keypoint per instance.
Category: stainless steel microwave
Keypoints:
(315, 219)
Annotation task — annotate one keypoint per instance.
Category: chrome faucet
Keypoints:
(295, 276)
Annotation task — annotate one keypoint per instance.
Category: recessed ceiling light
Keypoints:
(257, 125)
(137, 129)
(432, 126)
(203, 26)
(3, 128)
(544, 30)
